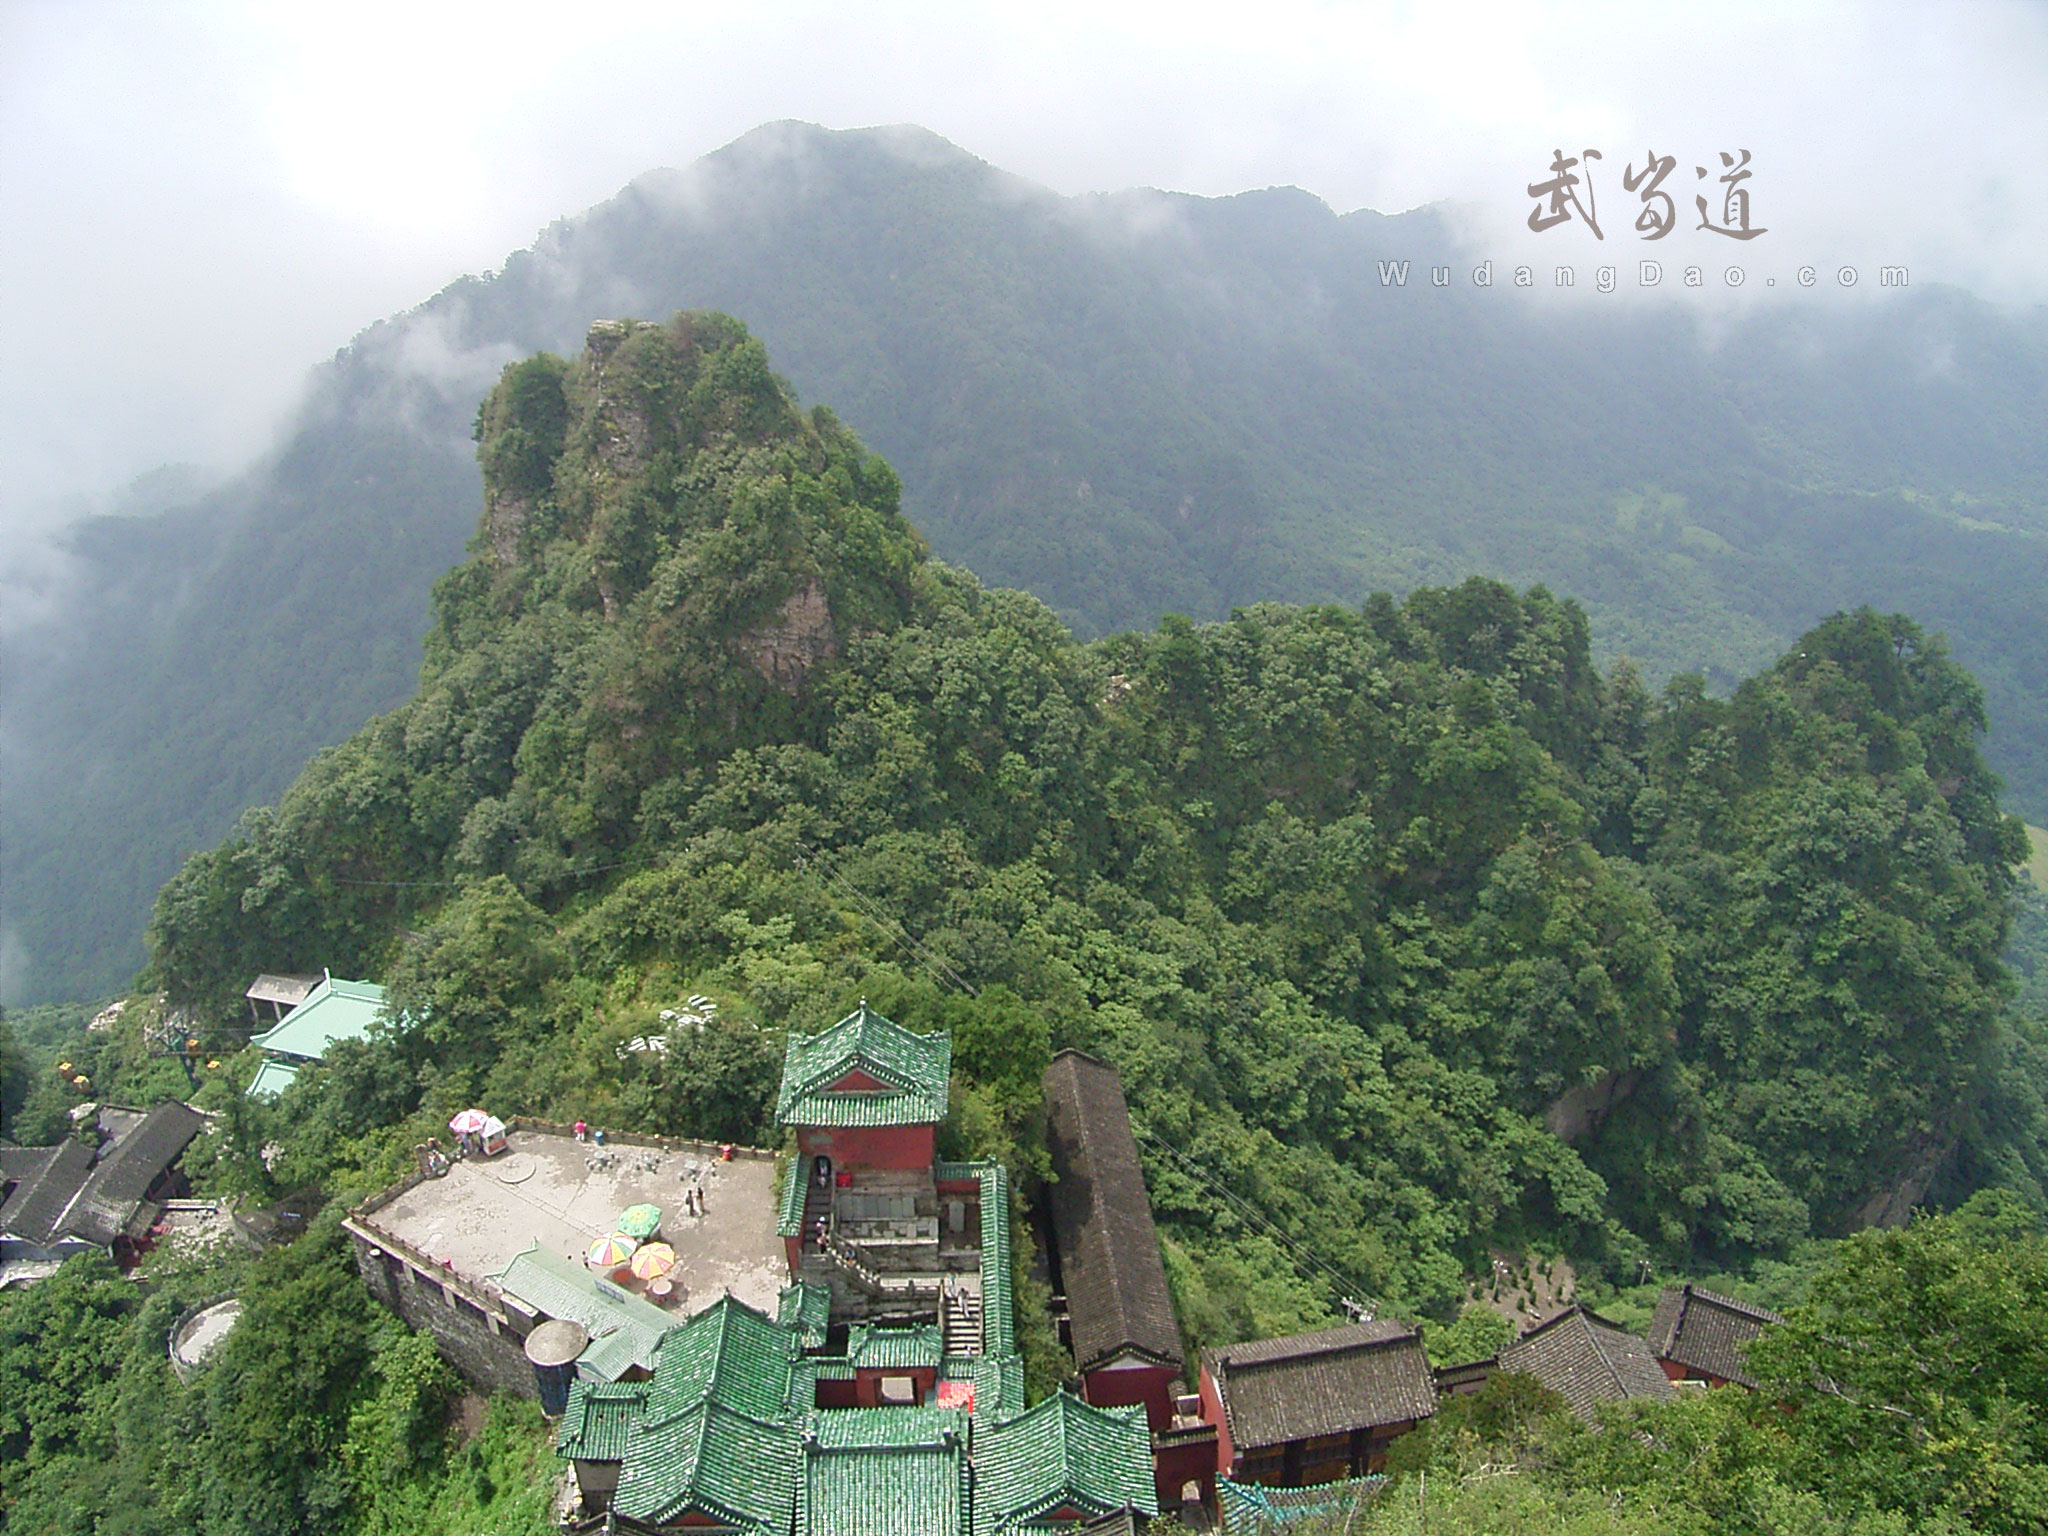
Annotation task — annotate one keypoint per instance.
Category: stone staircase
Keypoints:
(894, 1289)
(960, 1320)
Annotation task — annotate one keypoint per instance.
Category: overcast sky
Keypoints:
(198, 202)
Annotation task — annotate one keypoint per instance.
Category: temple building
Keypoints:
(328, 1011)
(1106, 1264)
(1587, 1360)
(72, 1197)
(1698, 1335)
(1315, 1407)
(885, 1392)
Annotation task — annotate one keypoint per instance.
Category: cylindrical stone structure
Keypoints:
(552, 1349)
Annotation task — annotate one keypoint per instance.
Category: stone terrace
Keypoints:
(567, 1194)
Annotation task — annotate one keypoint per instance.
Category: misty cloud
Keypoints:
(202, 202)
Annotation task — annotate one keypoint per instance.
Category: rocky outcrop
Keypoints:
(505, 518)
(1580, 1111)
(786, 650)
(624, 421)
(1893, 1206)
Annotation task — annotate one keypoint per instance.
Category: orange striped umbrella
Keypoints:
(653, 1261)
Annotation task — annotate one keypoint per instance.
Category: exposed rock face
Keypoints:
(624, 424)
(1894, 1205)
(800, 638)
(1578, 1112)
(622, 427)
(505, 516)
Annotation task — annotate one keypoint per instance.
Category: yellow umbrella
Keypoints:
(610, 1252)
(653, 1261)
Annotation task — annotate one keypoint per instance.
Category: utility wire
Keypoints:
(1347, 1287)
(807, 857)
(570, 874)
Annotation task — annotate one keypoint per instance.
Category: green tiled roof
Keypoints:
(1265, 1509)
(790, 1214)
(871, 1347)
(728, 1353)
(913, 1069)
(731, 1467)
(854, 1428)
(805, 1308)
(1062, 1452)
(998, 1381)
(899, 1470)
(272, 1078)
(624, 1330)
(334, 1010)
(598, 1419)
(998, 1305)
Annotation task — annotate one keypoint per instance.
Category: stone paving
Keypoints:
(567, 1194)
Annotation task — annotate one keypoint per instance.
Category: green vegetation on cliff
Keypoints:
(1402, 922)
(1413, 935)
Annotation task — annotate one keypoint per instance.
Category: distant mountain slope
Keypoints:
(1129, 404)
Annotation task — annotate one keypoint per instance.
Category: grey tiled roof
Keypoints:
(1360, 1376)
(1117, 1296)
(107, 1204)
(1704, 1331)
(48, 1182)
(64, 1192)
(1586, 1360)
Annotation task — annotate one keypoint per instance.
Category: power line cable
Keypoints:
(570, 874)
(808, 856)
(1347, 1286)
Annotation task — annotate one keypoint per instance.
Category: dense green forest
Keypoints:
(1355, 897)
(1407, 927)
(1129, 405)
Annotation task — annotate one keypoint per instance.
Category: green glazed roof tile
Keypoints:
(728, 1353)
(857, 1428)
(895, 1477)
(334, 1010)
(1062, 1452)
(790, 1213)
(598, 1419)
(998, 1307)
(911, 1069)
(871, 1347)
(728, 1467)
(805, 1308)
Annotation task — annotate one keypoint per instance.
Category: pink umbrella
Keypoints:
(469, 1122)
(653, 1261)
(609, 1251)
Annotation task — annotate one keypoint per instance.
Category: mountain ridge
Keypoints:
(1131, 403)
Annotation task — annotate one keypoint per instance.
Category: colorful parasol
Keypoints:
(610, 1252)
(469, 1122)
(653, 1261)
(640, 1220)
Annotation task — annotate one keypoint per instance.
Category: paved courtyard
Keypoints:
(567, 1194)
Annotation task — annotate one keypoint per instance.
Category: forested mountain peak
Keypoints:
(668, 472)
(1399, 919)
(1128, 403)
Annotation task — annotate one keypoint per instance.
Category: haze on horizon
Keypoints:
(201, 203)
